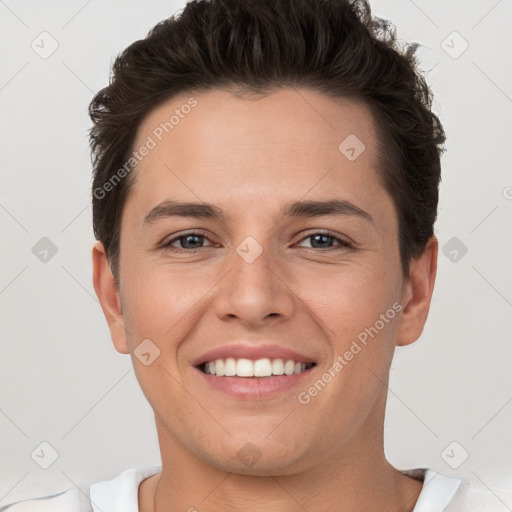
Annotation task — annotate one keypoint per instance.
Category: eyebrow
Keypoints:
(299, 209)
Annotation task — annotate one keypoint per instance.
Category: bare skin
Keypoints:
(250, 156)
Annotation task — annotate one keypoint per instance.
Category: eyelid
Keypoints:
(342, 243)
(166, 243)
(346, 242)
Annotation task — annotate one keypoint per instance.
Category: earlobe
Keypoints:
(108, 294)
(417, 294)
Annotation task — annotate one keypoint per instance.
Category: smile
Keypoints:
(264, 367)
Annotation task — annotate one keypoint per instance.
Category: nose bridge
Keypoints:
(253, 262)
(254, 288)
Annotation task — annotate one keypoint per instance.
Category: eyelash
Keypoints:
(343, 244)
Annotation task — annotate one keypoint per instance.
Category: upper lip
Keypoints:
(253, 352)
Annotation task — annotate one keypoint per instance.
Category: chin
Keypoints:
(258, 456)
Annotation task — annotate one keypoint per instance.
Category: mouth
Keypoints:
(259, 368)
(246, 371)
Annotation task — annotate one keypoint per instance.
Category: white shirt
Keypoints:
(120, 494)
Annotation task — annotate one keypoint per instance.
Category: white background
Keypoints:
(61, 379)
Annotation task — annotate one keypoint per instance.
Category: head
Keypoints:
(259, 112)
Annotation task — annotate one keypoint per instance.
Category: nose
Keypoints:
(255, 290)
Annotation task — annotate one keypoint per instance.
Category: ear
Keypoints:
(417, 293)
(109, 297)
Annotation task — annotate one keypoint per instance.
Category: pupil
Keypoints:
(188, 237)
(315, 237)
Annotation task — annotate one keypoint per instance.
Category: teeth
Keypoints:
(229, 367)
(289, 367)
(245, 368)
(220, 368)
(277, 367)
(265, 367)
(262, 368)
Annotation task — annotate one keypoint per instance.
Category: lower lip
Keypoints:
(254, 388)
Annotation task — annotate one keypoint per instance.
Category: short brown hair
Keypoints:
(333, 46)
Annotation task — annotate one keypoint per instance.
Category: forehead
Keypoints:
(290, 142)
(285, 116)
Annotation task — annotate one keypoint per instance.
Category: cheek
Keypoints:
(163, 301)
(356, 309)
(349, 298)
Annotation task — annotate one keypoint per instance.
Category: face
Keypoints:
(291, 253)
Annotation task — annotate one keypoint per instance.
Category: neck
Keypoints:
(352, 477)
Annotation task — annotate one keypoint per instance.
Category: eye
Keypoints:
(194, 241)
(188, 241)
(323, 240)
